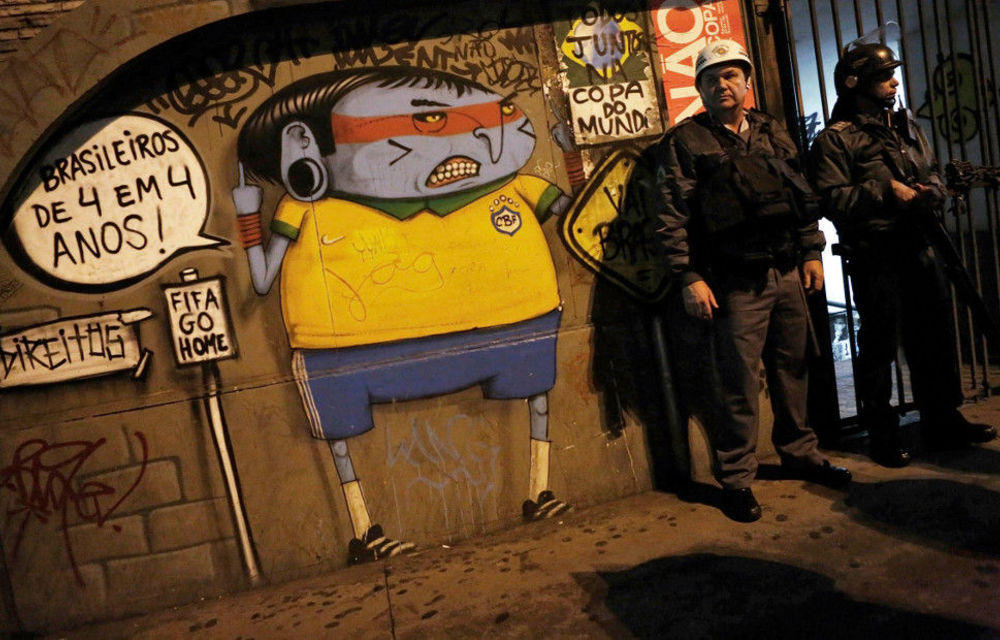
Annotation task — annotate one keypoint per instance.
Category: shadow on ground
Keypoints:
(710, 596)
(959, 515)
(970, 460)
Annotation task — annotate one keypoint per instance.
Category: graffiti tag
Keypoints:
(612, 225)
(41, 479)
(440, 463)
(73, 348)
(222, 77)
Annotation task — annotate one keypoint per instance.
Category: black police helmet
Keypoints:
(861, 62)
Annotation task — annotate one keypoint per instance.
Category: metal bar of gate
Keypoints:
(903, 53)
(801, 134)
(963, 247)
(880, 17)
(819, 60)
(835, 10)
(987, 137)
(991, 120)
(984, 347)
(929, 83)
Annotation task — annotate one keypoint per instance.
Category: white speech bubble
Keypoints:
(112, 201)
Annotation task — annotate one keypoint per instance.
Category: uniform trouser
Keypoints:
(763, 316)
(903, 296)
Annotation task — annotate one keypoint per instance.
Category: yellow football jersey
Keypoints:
(355, 275)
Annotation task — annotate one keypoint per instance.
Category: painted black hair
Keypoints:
(310, 100)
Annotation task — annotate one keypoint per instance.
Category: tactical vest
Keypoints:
(739, 188)
(751, 203)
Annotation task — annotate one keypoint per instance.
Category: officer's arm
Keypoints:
(843, 200)
(675, 178)
(811, 240)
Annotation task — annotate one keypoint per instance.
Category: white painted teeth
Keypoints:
(454, 171)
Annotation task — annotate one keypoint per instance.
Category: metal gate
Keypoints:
(949, 81)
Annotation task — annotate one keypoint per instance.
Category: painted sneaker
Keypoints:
(375, 546)
(548, 506)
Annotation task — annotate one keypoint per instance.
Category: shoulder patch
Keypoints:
(839, 125)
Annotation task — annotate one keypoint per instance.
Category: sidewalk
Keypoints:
(905, 553)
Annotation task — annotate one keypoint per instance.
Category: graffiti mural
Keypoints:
(952, 104)
(363, 236)
(406, 237)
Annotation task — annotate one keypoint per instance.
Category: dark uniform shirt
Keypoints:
(853, 161)
(690, 155)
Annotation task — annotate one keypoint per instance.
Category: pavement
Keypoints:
(903, 553)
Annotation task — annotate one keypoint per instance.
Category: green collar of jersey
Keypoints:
(403, 208)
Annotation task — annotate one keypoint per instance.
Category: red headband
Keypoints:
(447, 121)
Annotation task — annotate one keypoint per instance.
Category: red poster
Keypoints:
(683, 28)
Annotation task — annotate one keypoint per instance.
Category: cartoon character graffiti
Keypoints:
(411, 255)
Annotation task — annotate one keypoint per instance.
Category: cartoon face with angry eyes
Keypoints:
(418, 141)
(387, 133)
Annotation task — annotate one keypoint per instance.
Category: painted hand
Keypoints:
(246, 198)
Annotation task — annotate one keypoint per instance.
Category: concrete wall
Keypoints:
(159, 440)
(21, 20)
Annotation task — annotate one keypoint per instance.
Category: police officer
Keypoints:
(876, 175)
(741, 243)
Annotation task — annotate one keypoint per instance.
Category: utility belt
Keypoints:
(752, 251)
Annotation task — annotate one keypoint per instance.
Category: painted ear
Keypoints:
(851, 82)
(302, 169)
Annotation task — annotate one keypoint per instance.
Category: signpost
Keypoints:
(202, 334)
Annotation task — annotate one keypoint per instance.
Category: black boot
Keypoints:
(886, 446)
(740, 505)
(951, 430)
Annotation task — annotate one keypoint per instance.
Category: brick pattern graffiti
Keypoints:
(41, 483)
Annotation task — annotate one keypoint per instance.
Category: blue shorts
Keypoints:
(338, 386)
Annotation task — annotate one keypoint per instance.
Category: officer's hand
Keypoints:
(699, 300)
(904, 195)
(812, 276)
(246, 198)
(927, 194)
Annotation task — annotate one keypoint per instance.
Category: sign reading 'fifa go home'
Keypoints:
(199, 320)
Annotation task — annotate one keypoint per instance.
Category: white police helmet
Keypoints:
(722, 52)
